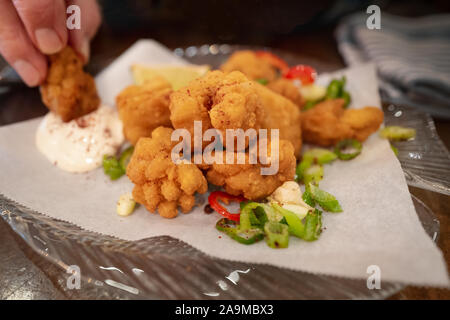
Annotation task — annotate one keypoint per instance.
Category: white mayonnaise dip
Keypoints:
(79, 145)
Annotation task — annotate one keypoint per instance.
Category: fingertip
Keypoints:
(29, 74)
(48, 40)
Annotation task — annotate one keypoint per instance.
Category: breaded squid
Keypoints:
(328, 123)
(281, 113)
(257, 67)
(161, 184)
(287, 89)
(247, 179)
(69, 91)
(254, 67)
(218, 100)
(363, 122)
(143, 108)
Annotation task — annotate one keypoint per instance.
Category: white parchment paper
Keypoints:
(379, 225)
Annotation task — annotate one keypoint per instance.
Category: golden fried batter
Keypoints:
(218, 100)
(281, 113)
(143, 108)
(159, 182)
(68, 91)
(363, 121)
(287, 89)
(247, 62)
(328, 123)
(255, 68)
(246, 179)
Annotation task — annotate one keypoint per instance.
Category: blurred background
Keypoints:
(263, 22)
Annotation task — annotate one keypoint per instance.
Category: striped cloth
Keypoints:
(412, 56)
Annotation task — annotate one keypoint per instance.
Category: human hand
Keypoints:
(31, 29)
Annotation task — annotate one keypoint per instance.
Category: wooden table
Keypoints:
(21, 274)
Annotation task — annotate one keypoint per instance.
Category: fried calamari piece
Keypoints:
(218, 100)
(144, 108)
(257, 67)
(69, 91)
(328, 123)
(283, 114)
(254, 67)
(321, 125)
(159, 182)
(287, 89)
(363, 121)
(246, 178)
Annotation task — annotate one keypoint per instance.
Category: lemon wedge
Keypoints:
(178, 76)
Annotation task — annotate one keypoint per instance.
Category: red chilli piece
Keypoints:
(214, 198)
(306, 74)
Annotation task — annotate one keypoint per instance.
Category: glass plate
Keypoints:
(166, 268)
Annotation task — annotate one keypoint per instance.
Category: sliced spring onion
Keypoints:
(309, 105)
(253, 214)
(347, 98)
(342, 147)
(320, 155)
(314, 156)
(112, 167)
(313, 174)
(307, 197)
(277, 234)
(313, 226)
(296, 226)
(300, 210)
(125, 157)
(115, 168)
(244, 221)
(397, 133)
(324, 199)
(308, 231)
(335, 88)
(262, 81)
(301, 168)
(261, 215)
(231, 228)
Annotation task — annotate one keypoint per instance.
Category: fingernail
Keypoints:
(48, 41)
(27, 72)
(85, 49)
